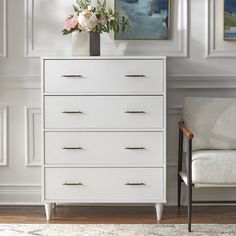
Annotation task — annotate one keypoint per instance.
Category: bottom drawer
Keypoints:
(111, 185)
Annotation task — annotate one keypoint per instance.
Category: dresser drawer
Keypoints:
(103, 76)
(104, 148)
(104, 185)
(104, 112)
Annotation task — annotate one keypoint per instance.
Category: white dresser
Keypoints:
(104, 130)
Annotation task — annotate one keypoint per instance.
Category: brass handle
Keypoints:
(135, 112)
(72, 148)
(72, 76)
(135, 184)
(135, 76)
(72, 112)
(72, 183)
(135, 148)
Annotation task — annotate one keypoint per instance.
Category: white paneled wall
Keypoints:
(200, 63)
(3, 135)
(3, 28)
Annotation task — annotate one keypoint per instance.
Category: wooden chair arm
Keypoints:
(188, 134)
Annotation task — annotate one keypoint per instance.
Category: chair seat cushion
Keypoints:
(214, 167)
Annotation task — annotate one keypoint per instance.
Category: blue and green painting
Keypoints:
(230, 20)
(149, 19)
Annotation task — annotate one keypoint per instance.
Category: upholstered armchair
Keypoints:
(209, 126)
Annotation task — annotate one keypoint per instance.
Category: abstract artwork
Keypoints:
(229, 20)
(149, 19)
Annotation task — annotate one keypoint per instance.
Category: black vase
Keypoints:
(94, 41)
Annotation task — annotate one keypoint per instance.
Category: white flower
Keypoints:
(112, 18)
(87, 20)
(91, 8)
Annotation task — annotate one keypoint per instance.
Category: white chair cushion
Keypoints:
(212, 121)
(214, 167)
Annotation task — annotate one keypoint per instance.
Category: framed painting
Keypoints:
(229, 20)
(149, 19)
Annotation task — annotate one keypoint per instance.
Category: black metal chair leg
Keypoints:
(189, 208)
(179, 190)
(189, 187)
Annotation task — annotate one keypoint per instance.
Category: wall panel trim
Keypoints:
(31, 158)
(20, 194)
(173, 82)
(211, 49)
(3, 135)
(20, 82)
(180, 51)
(4, 46)
(201, 82)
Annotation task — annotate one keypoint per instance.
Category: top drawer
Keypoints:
(103, 76)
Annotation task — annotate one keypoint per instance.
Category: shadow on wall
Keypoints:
(47, 25)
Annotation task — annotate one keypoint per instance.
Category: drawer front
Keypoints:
(104, 112)
(103, 76)
(103, 184)
(104, 148)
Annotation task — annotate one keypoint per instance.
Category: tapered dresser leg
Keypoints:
(159, 210)
(48, 209)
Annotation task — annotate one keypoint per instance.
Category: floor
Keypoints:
(117, 215)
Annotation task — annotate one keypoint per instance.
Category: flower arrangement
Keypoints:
(90, 17)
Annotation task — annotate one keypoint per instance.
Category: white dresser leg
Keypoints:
(54, 205)
(159, 210)
(48, 209)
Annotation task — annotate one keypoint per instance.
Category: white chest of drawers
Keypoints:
(104, 130)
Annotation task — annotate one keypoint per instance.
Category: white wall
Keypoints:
(200, 63)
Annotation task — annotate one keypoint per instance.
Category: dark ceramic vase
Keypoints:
(94, 39)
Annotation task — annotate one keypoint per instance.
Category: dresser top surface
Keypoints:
(104, 58)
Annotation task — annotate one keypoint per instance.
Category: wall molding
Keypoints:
(31, 158)
(22, 185)
(3, 51)
(181, 50)
(30, 50)
(201, 82)
(173, 82)
(23, 195)
(20, 82)
(20, 194)
(211, 49)
(3, 135)
(175, 110)
(29, 31)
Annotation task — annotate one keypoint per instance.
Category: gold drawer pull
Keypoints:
(72, 183)
(72, 112)
(135, 184)
(135, 112)
(135, 148)
(72, 76)
(135, 76)
(72, 148)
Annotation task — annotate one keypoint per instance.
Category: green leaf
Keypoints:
(76, 9)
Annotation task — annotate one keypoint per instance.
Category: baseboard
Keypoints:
(20, 195)
(209, 194)
(31, 195)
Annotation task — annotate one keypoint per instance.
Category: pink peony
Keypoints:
(67, 24)
(74, 21)
(71, 22)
